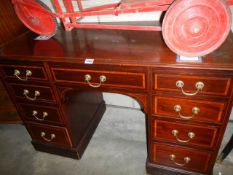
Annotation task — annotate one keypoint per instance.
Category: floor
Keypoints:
(110, 152)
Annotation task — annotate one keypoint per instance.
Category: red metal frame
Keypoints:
(70, 17)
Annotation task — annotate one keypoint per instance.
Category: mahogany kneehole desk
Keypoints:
(59, 97)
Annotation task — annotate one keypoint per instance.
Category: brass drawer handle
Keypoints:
(195, 111)
(43, 135)
(35, 113)
(199, 86)
(175, 133)
(17, 74)
(88, 78)
(26, 93)
(186, 160)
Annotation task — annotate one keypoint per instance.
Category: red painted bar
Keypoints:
(133, 4)
(118, 11)
(70, 9)
(117, 27)
(114, 5)
(59, 10)
(80, 6)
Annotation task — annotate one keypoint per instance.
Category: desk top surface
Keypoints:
(110, 47)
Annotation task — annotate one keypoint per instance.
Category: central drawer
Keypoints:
(112, 78)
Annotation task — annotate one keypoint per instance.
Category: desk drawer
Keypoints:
(25, 73)
(180, 157)
(203, 136)
(113, 78)
(33, 92)
(49, 134)
(211, 85)
(40, 113)
(185, 109)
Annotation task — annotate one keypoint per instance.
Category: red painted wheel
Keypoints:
(196, 27)
(36, 20)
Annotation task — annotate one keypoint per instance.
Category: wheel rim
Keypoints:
(196, 27)
(35, 20)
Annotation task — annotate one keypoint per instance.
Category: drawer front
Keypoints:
(179, 157)
(23, 73)
(40, 113)
(196, 110)
(113, 78)
(33, 93)
(49, 134)
(215, 86)
(204, 136)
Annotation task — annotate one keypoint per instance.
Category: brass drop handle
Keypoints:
(175, 133)
(88, 78)
(186, 160)
(26, 93)
(195, 111)
(17, 74)
(199, 86)
(35, 113)
(43, 135)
